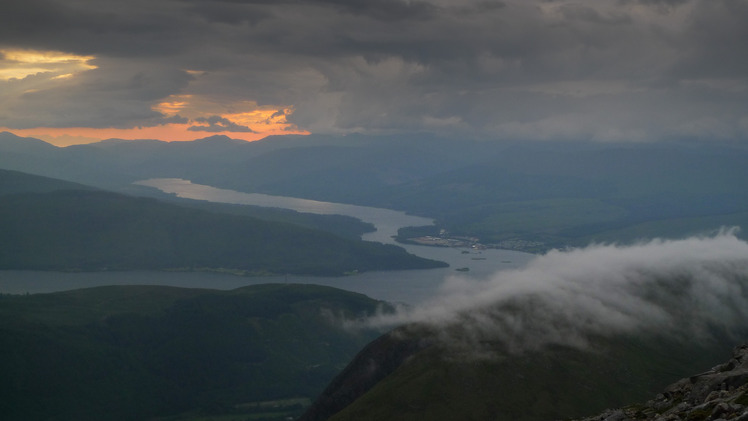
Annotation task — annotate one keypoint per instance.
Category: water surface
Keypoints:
(386, 221)
(411, 286)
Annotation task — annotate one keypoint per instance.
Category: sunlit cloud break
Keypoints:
(19, 64)
(239, 118)
(684, 288)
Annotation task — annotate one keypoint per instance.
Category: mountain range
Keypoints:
(554, 193)
(576, 332)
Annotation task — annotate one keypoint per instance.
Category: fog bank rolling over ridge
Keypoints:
(685, 288)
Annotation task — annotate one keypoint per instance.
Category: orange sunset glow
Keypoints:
(191, 116)
(169, 132)
(251, 125)
(243, 120)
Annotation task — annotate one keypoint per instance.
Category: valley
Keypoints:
(374, 210)
(551, 270)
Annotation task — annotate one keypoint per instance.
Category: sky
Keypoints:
(76, 71)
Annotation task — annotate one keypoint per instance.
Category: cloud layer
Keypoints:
(682, 288)
(540, 69)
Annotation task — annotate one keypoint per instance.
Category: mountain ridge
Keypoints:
(556, 195)
(90, 229)
(423, 381)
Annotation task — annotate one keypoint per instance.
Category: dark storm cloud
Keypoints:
(578, 12)
(716, 39)
(279, 113)
(603, 69)
(218, 124)
(669, 3)
(378, 9)
(385, 9)
(230, 13)
(116, 94)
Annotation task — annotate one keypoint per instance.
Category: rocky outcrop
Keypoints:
(720, 394)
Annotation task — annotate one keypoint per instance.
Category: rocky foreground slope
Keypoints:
(718, 394)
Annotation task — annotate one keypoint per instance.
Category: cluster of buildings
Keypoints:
(473, 243)
(429, 240)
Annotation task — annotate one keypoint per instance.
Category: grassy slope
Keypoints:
(12, 182)
(94, 230)
(554, 384)
(133, 352)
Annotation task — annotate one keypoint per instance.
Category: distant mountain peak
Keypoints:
(15, 143)
(219, 138)
(114, 141)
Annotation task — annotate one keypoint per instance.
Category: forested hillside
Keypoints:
(92, 230)
(137, 352)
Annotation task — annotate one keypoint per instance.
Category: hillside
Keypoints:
(418, 377)
(19, 182)
(93, 230)
(137, 352)
(12, 182)
(569, 335)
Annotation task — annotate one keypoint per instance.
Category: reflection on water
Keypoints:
(410, 286)
(387, 221)
(479, 263)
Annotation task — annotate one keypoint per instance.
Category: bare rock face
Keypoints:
(716, 395)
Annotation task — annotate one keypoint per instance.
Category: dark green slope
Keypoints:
(341, 225)
(18, 182)
(95, 230)
(414, 376)
(136, 352)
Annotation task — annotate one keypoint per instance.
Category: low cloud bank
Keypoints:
(686, 288)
